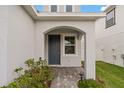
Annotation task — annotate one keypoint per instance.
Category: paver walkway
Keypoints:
(66, 77)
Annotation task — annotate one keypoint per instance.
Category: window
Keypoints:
(110, 18)
(68, 8)
(53, 8)
(69, 44)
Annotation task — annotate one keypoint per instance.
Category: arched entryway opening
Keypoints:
(65, 46)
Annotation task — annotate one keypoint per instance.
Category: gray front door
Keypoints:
(54, 49)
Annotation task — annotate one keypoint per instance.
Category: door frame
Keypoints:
(48, 50)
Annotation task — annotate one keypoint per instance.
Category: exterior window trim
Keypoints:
(73, 9)
(76, 50)
(113, 9)
(54, 12)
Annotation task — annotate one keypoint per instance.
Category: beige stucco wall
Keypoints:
(111, 38)
(17, 40)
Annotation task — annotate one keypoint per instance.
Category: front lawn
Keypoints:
(112, 75)
(107, 75)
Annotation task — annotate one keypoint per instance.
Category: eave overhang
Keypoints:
(62, 16)
(109, 8)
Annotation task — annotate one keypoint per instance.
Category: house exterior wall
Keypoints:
(18, 43)
(87, 26)
(61, 8)
(46, 8)
(111, 38)
(3, 44)
(77, 8)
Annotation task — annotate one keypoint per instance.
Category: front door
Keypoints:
(54, 49)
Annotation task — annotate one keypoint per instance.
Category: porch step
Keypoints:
(66, 77)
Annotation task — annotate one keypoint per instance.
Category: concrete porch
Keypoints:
(66, 77)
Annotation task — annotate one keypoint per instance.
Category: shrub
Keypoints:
(82, 63)
(38, 75)
(88, 84)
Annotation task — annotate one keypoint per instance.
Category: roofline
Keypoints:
(109, 7)
(57, 16)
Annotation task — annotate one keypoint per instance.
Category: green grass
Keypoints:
(111, 75)
(89, 84)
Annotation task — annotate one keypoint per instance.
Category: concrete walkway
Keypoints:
(66, 77)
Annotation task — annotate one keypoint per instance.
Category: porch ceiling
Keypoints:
(62, 16)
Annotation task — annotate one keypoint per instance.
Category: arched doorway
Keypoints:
(65, 46)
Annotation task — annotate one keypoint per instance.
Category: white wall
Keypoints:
(20, 39)
(3, 44)
(18, 43)
(111, 38)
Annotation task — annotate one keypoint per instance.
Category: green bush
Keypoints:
(82, 63)
(37, 75)
(88, 84)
